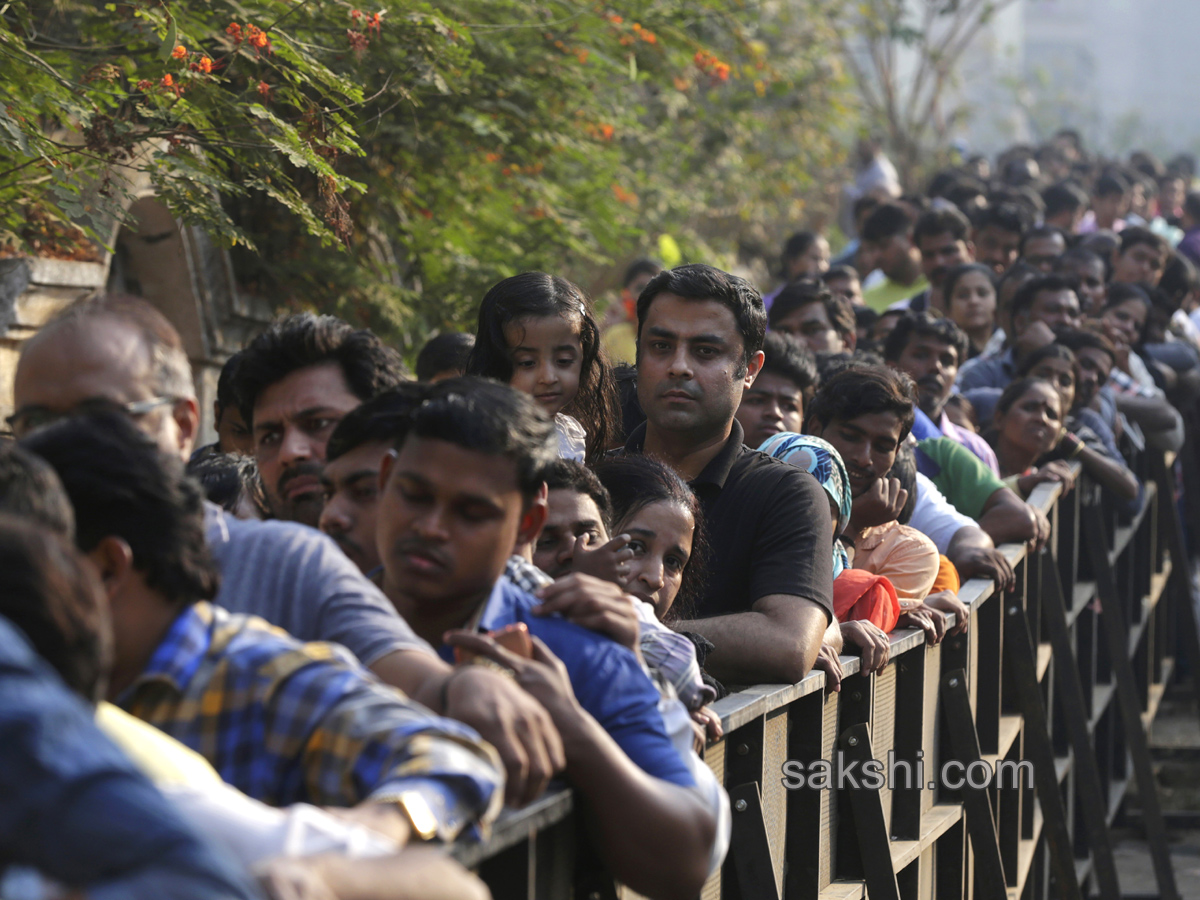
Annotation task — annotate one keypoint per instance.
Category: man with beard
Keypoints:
(118, 353)
(941, 237)
(294, 383)
(768, 597)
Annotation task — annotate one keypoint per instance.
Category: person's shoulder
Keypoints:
(579, 648)
(755, 470)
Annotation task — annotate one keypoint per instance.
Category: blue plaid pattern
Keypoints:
(287, 722)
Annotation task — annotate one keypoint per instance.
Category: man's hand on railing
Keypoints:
(984, 562)
(1043, 529)
(948, 602)
(872, 640)
(930, 621)
(829, 661)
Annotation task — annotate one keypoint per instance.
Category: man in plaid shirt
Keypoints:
(284, 722)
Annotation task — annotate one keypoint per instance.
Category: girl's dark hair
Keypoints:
(538, 295)
(635, 482)
(56, 600)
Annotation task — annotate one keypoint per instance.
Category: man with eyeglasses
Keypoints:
(120, 353)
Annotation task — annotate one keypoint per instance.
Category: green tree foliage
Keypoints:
(391, 162)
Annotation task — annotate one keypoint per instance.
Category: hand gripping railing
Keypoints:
(1065, 672)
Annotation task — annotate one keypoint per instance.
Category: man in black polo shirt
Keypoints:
(769, 587)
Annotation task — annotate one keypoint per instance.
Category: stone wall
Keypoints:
(179, 270)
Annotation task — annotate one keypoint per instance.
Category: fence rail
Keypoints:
(1038, 676)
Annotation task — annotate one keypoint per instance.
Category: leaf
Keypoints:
(168, 45)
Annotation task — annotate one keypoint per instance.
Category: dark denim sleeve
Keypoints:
(75, 808)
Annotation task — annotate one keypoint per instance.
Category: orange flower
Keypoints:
(623, 196)
(607, 131)
(356, 14)
(721, 70)
(375, 23)
(264, 90)
(506, 171)
(168, 81)
(582, 56)
(637, 26)
(615, 19)
(257, 38)
(649, 37)
(234, 31)
(179, 52)
(492, 157)
(144, 85)
(205, 65)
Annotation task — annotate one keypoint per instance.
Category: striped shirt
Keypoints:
(286, 722)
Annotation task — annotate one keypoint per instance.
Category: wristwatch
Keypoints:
(416, 810)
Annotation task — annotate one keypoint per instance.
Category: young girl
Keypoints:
(970, 297)
(538, 333)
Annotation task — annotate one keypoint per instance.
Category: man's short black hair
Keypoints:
(1179, 278)
(807, 291)
(568, 475)
(841, 271)
(1066, 196)
(1134, 235)
(701, 282)
(1042, 231)
(641, 266)
(922, 324)
(1006, 216)
(1027, 293)
(1111, 184)
(490, 418)
(30, 489)
(889, 220)
(788, 358)
(860, 390)
(121, 485)
(382, 418)
(226, 393)
(941, 221)
(302, 340)
(48, 592)
(228, 478)
(448, 351)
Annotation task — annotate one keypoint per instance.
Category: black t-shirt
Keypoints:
(768, 529)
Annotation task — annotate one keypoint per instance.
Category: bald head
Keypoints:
(108, 351)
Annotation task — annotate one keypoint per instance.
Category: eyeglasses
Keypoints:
(31, 418)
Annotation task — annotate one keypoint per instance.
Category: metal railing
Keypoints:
(1038, 676)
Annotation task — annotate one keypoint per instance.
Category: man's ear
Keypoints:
(385, 467)
(970, 245)
(753, 367)
(850, 340)
(187, 419)
(534, 516)
(113, 560)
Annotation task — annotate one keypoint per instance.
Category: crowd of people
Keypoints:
(378, 609)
